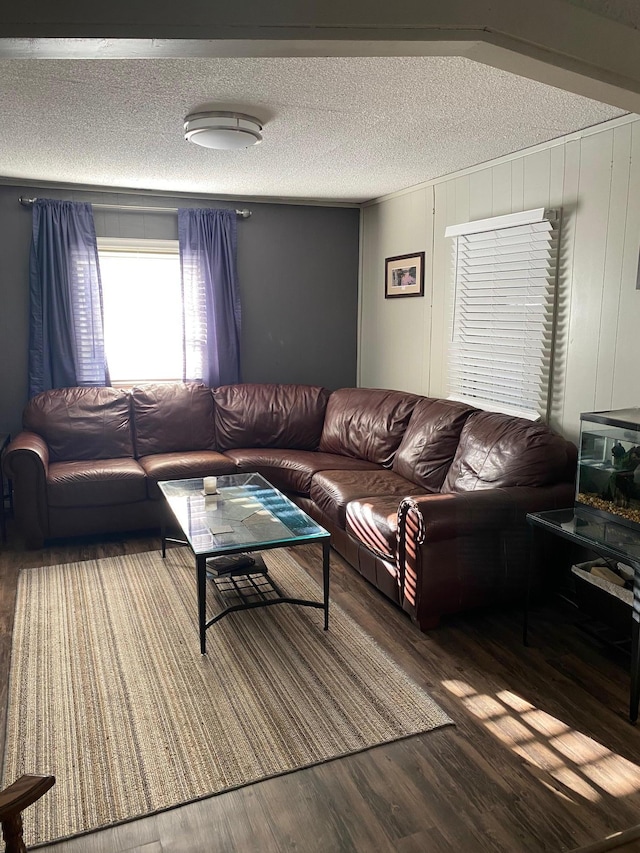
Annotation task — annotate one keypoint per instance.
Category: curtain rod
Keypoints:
(243, 214)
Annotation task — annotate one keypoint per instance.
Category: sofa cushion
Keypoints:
(182, 466)
(102, 482)
(172, 417)
(292, 470)
(366, 423)
(430, 441)
(81, 423)
(333, 490)
(497, 450)
(374, 522)
(264, 415)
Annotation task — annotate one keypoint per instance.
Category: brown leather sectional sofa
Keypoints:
(424, 497)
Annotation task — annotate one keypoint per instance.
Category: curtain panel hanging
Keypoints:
(66, 333)
(211, 299)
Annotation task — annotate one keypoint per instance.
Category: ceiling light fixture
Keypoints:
(223, 130)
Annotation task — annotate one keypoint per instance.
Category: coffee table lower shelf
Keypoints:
(249, 593)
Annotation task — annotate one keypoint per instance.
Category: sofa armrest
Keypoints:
(26, 463)
(27, 448)
(463, 549)
(448, 515)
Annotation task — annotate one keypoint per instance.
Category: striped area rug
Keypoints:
(108, 690)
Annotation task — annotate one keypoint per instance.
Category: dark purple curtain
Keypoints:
(211, 299)
(66, 332)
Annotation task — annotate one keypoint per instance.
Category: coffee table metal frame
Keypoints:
(179, 494)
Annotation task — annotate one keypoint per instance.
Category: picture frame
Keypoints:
(404, 276)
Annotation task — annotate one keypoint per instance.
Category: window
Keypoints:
(504, 312)
(142, 302)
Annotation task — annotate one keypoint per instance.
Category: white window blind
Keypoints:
(504, 312)
(87, 317)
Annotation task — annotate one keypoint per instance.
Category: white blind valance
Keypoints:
(505, 286)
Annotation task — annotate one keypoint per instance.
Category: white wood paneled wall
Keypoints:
(594, 177)
(389, 328)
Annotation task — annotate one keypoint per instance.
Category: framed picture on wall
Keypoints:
(404, 276)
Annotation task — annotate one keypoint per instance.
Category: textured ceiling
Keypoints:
(339, 129)
(625, 12)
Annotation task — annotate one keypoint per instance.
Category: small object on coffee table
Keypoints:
(210, 485)
(219, 527)
(230, 564)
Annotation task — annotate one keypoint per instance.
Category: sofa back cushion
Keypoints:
(500, 450)
(81, 423)
(430, 442)
(366, 423)
(172, 418)
(268, 415)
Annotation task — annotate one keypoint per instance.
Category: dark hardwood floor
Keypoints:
(542, 757)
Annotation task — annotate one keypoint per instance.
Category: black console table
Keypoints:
(606, 539)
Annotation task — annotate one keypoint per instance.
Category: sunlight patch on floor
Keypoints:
(577, 763)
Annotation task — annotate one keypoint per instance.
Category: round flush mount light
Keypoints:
(222, 130)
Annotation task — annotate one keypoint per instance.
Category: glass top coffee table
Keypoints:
(245, 515)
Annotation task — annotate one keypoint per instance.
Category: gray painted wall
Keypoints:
(298, 271)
